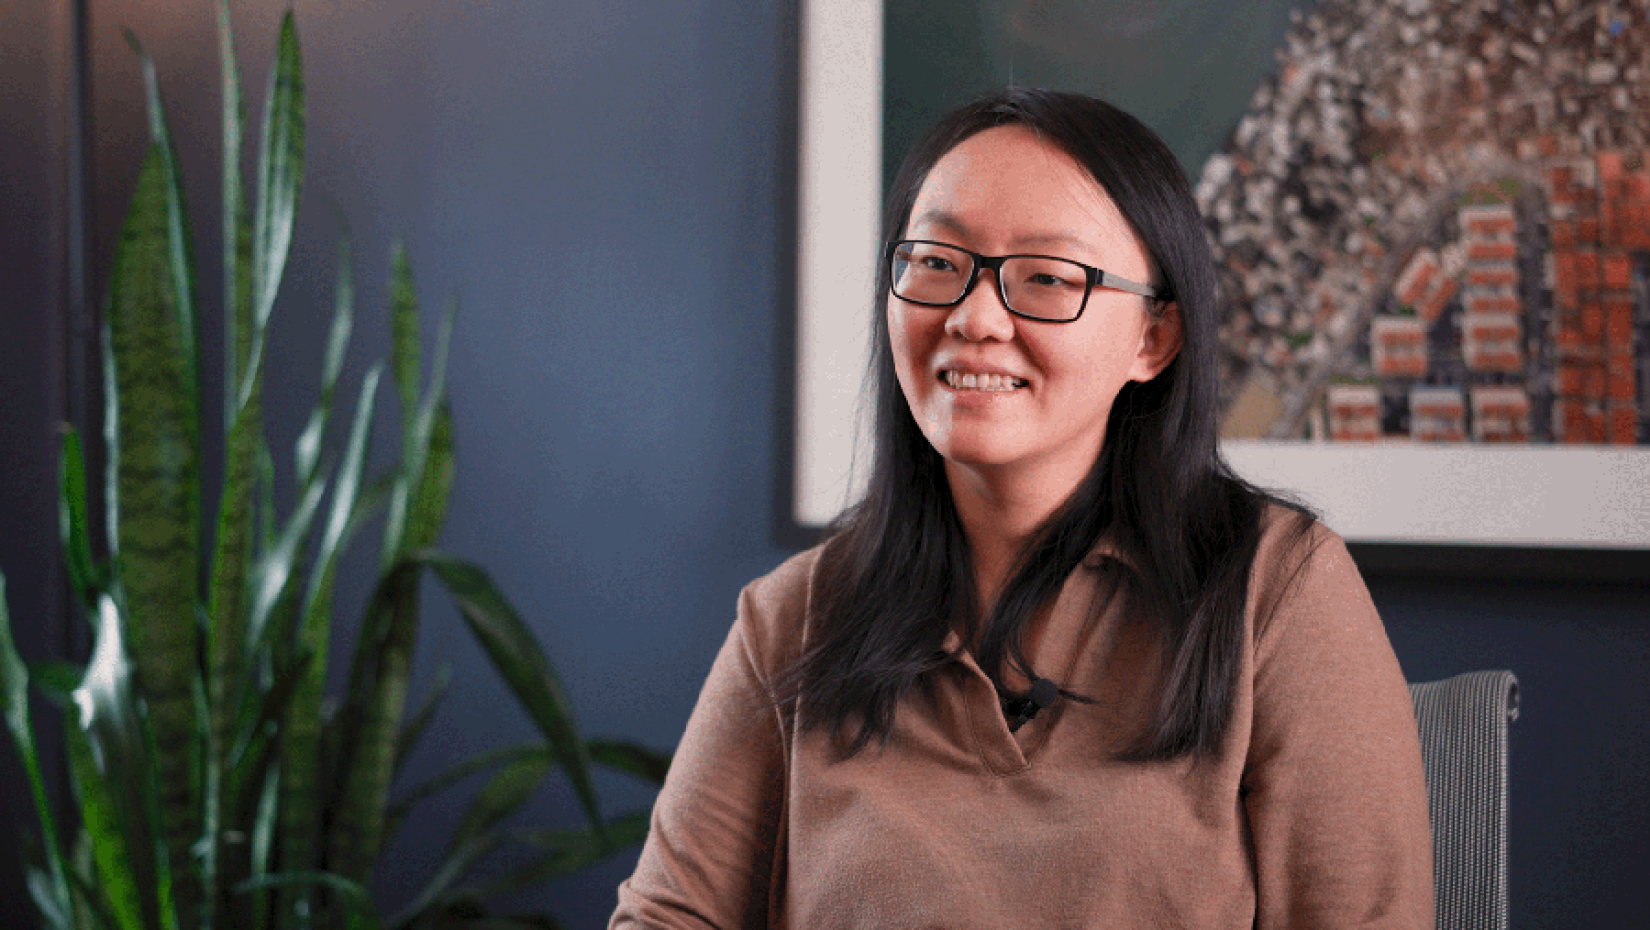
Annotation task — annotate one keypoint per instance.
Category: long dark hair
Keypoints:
(896, 574)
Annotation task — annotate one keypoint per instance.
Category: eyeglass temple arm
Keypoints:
(1107, 279)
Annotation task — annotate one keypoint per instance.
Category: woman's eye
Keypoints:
(937, 263)
(1043, 279)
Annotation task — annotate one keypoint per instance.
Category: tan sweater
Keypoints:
(1314, 815)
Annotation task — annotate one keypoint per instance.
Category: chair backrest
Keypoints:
(1463, 723)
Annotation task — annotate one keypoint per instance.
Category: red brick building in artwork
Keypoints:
(1437, 414)
(1354, 412)
(1600, 209)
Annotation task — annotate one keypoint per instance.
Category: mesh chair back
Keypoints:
(1463, 724)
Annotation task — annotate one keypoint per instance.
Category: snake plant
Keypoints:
(215, 784)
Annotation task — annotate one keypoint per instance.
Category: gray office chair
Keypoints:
(1463, 723)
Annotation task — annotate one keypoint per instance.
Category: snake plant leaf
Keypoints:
(565, 851)
(54, 907)
(438, 893)
(274, 571)
(650, 765)
(343, 515)
(153, 451)
(56, 679)
(505, 793)
(354, 894)
(181, 263)
(380, 672)
(524, 665)
(405, 351)
(280, 175)
(237, 220)
(457, 773)
(227, 605)
(428, 508)
(232, 559)
(110, 765)
(418, 501)
(243, 408)
(14, 683)
(308, 452)
(252, 754)
(88, 578)
(14, 702)
(227, 648)
(90, 907)
(262, 851)
(374, 501)
(415, 727)
(301, 746)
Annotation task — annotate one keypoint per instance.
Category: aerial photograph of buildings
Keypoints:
(1433, 225)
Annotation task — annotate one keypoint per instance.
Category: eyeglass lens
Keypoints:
(1044, 288)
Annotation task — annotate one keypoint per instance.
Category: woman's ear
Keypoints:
(1159, 343)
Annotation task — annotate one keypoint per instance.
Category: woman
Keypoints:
(1230, 742)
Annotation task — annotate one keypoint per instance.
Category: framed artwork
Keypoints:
(1431, 221)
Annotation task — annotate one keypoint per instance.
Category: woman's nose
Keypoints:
(982, 315)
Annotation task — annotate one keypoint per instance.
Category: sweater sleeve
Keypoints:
(1335, 793)
(711, 848)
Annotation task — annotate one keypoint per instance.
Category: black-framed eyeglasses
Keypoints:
(1037, 287)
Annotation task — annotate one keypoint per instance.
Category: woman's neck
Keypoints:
(999, 513)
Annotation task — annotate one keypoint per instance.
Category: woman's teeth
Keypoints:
(971, 382)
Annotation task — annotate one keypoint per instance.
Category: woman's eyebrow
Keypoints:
(940, 218)
(953, 223)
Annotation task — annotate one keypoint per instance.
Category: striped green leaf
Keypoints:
(650, 765)
(564, 851)
(275, 571)
(414, 729)
(14, 705)
(308, 452)
(301, 805)
(111, 764)
(437, 894)
(181, 262)
(405, 342)
(428, 507)
(280, 174)
(524, 665)
(504, 793)
(458, 773)
(88, 578)
(153, 448)
(414, 502)
(237, 220)
(357, 899)
(377, 696)
(226, 649)
(54, 907)
(56, 679)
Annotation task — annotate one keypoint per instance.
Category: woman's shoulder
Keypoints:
(1289, 536)
(773, 609)
(1303, 562)
(787, 583)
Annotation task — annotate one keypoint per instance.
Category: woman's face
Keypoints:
(1041, 415)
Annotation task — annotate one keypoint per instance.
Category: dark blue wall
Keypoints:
(605, 188)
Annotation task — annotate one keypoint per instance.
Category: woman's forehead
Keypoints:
(1007, 182)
